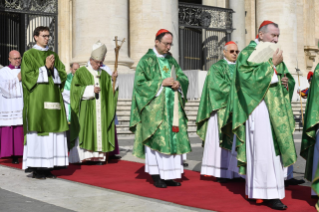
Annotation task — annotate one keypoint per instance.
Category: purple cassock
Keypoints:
(11, 106)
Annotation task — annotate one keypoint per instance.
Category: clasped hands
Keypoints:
(49, 62)
(276, 60)
(169, 82)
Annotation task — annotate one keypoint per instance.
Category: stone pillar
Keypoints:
(146, 18)
(283, 13)
(311, 49)
(100, 20)
(65, 32)
(250, 20)
(300, 38)
(216, 3)
(238, 35)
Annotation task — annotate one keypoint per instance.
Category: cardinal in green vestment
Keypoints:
(211, 114)
(155, 96)
(93, 106)
(44, 118)
(259, 113)
(310, 137)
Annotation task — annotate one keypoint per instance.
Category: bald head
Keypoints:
(231, 52)
(74, 67)
(15, 58)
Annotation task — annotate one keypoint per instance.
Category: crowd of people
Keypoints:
(245, 117)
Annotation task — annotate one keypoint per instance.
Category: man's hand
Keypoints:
(19, 76)
(284, 81)
(115, 75)
(176, 85)
(168, 82)
(97, 89)
(49, 62)
(277, 58)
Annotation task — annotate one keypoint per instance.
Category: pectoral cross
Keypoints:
(165, 69)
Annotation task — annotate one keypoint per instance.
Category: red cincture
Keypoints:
(275, 71)
(175, 129)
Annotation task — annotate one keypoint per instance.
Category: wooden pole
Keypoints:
(117, 50)
(300, 101)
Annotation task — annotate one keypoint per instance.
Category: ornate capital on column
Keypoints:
(311, 53)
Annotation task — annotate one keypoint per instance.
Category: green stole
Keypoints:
(67, 87)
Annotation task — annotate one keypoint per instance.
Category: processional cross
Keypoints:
(117, 50)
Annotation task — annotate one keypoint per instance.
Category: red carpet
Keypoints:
(195, 191)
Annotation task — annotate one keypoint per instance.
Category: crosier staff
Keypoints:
(117, 50)
(298, 70)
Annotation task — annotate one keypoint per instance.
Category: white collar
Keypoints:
(257, 40)
(229, 63)
(89, 65)
(40, 48)
(157, 54)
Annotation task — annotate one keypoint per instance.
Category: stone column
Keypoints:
(65, 32)
(216, 3)
(311, 49)
(250, 20)
(146, 18)
(283, 13)
(238, 35)
(100, 20)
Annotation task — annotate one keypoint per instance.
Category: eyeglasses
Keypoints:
(232, 51)
(45, 36)
(17, 58)
(98, 62)
(167, 44)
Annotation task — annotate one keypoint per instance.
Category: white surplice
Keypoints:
(215, 159)
(11, 97)
(50, 150)
(169, 167)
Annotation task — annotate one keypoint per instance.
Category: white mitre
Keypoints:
(98, 51)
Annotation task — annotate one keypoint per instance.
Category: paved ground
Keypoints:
(21, 193)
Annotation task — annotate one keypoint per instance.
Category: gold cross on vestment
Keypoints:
(165, 69)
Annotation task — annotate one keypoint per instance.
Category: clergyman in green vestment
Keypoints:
(211, 114)
(93, 105)
(158, 102)
(44, 118)
(66, 96)
(310, 136)
(261, 117)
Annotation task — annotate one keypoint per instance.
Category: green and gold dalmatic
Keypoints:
(151, 115)
(311, 125)
(36, 118)
(214, 97)
(83, 112)
(250, 86)
(67, 86)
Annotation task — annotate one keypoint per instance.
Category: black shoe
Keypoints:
(38, 175)
(158, 182)
(222, 180)
(15, 160)
(293, 181)
(172, 183)
(185, 164)
(28, 170)
(48, 174)
(276, 204)
(314, 196)
(115, 157)
(100, 163)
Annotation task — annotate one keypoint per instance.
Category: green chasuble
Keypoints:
(250, 86)
(43, 110)
(214, 97)
(67, 86)
(311, 125)
(92, 120)
(151, 115)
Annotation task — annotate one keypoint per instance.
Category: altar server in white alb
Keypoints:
(44, 117)
(11, 106)
(211, 114)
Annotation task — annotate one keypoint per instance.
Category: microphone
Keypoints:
(97, 94)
